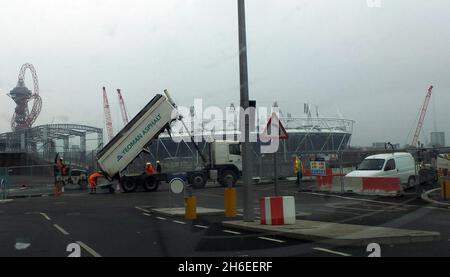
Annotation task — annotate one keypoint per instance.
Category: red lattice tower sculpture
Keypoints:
(23, 118)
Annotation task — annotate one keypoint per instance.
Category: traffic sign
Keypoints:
(318, 168)
(274, 121)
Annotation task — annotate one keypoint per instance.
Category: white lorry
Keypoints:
(155, 118)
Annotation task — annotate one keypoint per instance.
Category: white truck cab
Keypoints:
(226, 153)
(397, 165)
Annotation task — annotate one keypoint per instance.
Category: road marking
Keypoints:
(162, 218)
(61, 229)
(179, 222)
(240, 214)
(270, 239)
(332, 252)
(45, 216)
(144, 210)
(231, 232)
(88, 249)
(358, 199)
(146, 214)
(201, 226)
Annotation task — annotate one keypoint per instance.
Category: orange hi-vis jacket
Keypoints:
(93, 179)
(150, 170)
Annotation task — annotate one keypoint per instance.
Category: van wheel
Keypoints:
(151, 184)
(128, 186)
(411, 182)
(228, 175)
(198, 181)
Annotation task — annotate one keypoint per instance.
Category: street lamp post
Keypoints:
(243, 74)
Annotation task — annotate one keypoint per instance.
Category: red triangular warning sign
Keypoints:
(282, 135)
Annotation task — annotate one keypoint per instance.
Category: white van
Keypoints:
(400, 165)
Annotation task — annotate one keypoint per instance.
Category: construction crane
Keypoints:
(107, 111)
(422, 116)
(122, 108)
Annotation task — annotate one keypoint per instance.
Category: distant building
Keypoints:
(383, 145)
(437, 139)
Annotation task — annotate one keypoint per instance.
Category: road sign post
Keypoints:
(274, 134)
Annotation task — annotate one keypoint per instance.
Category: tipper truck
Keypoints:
(155, 118)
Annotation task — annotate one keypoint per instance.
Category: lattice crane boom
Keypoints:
(123, 109)
(107, 111)
(422, 116)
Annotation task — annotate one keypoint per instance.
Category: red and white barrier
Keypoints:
(277, 210)
(384, 186)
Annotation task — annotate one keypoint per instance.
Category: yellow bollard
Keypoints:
(190, 204)
(445, 188)
(230, 202)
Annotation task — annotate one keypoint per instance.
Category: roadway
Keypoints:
(124, 225)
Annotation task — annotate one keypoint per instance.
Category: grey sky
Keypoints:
(374, 64)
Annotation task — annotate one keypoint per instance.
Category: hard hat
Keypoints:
(157, 162)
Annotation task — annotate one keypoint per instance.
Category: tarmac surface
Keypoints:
(126, 225)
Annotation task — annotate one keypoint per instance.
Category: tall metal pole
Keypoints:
(243, 74)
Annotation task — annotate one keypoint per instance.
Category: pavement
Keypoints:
(117, 225)
(338, 234)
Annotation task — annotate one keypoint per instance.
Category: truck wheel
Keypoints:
(151, 184)
(198, 181)
(128, 186)
(228, 174)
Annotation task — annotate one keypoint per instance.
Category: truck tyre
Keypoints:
(151, 184)
(228, 174)
(128, 185)
(198, 181)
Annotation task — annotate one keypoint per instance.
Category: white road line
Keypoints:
(358, 199)
(201, 226)
(144, 210)
(332, 252)
(179, 222)
(231, 232)
(270, 239)
(88, 249)
(146, 214)
(240, 214)
(61, 229)
(161, 218)
(45, 216)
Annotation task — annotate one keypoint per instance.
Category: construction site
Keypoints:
(161, 177)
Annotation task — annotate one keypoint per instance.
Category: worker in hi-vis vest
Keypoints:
(298, 169)
(149, 169)
(93, 178)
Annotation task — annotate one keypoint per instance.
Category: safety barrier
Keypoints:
(383, 186)
(277, 210)
(335, 182)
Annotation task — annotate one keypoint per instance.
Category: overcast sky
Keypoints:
(372, 64)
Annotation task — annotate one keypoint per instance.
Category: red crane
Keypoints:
(109, 127)
(422, 116)
(123, 109)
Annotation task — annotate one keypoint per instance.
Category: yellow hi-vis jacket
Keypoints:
(298, 166)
